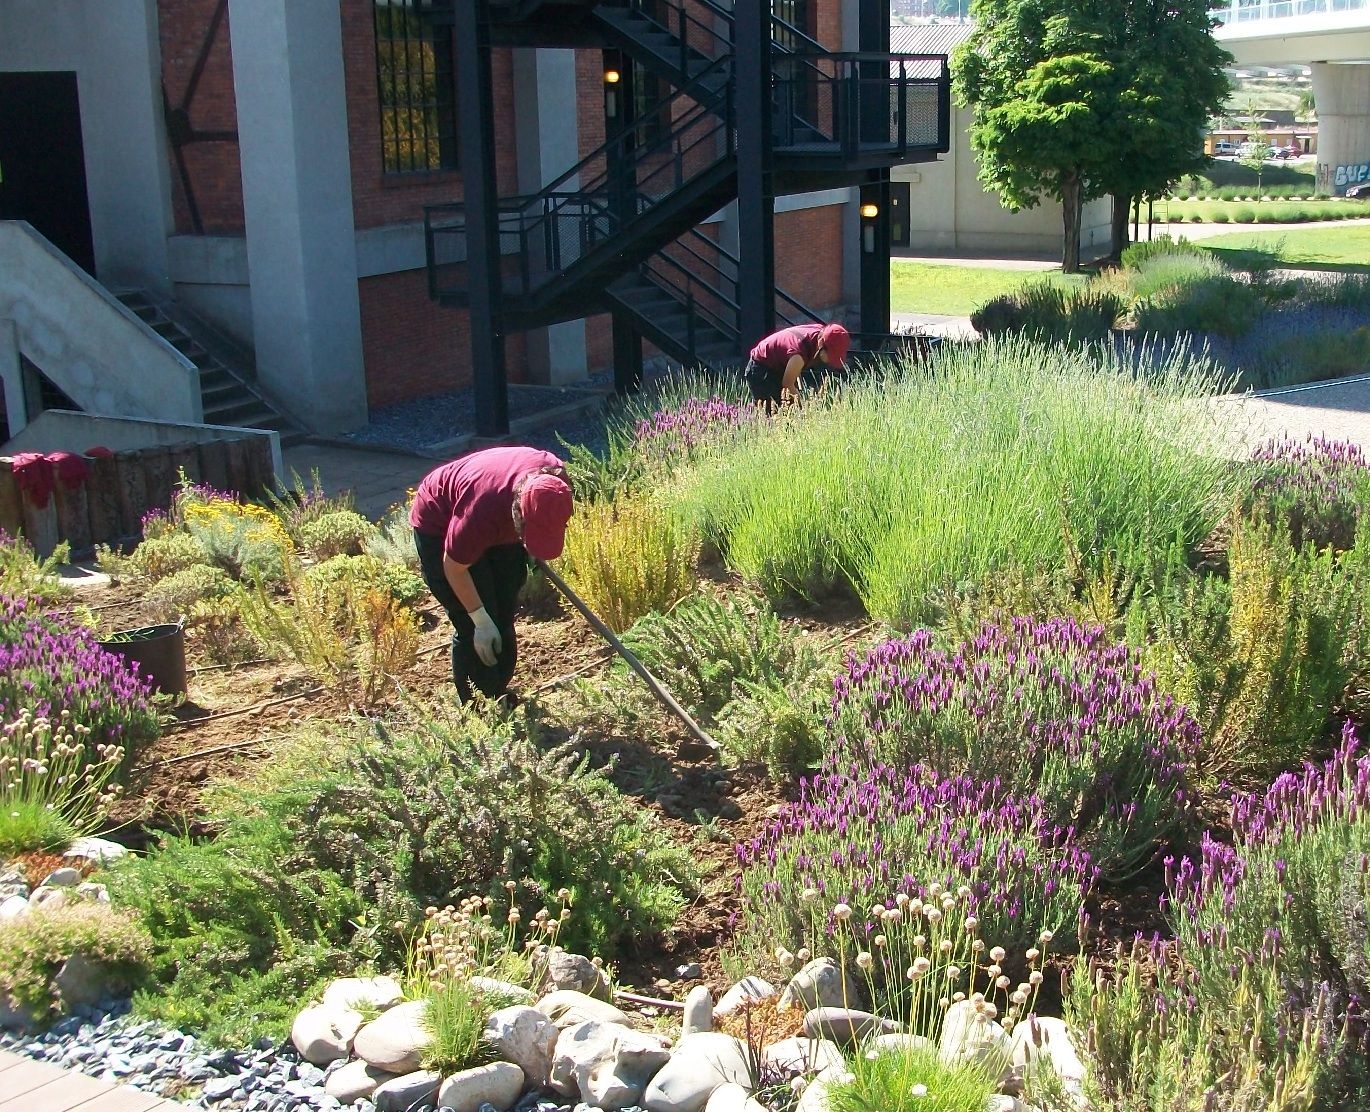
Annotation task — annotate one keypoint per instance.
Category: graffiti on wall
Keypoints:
(1339, 177)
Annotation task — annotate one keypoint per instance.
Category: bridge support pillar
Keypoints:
(1342, 93)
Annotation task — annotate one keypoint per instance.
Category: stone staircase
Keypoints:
(228, 397)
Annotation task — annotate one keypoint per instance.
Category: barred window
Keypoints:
(415, 80)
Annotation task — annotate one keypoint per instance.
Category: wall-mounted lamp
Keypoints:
(612, 77)
(870, 211)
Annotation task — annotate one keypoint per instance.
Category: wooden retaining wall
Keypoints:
(108, 507)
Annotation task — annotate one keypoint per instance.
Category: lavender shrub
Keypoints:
(863, 835)
(48, 668)
(1049, 709)
(1316, 486)
(670, 435)
(1291, 896)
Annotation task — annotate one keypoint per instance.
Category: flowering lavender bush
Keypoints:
(1052, 709)
(670, 435)
(862, 835)
(48, 668)
(1290, 896)
(1316, 486)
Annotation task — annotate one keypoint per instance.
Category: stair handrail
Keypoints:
(683, 21)
(805, 314)
(728, 327)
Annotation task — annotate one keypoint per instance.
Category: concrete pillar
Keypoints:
(129, 177)
(297, 202)
(548, 144)
(1342, 93)
(12, 377)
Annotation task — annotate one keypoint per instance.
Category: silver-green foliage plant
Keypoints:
(393, 539)
(337, 533)
(174, 595)
(948, 472)
(396, 580)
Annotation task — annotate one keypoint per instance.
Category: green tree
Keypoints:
(1259, 147)
(1171, 80)
(1043, 89)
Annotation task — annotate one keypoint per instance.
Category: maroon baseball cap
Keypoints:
(545, 503)
(836, 340)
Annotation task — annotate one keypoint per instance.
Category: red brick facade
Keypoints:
(212, 178)
(411, 347)
(808, 255)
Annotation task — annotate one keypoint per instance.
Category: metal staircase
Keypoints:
(228, 398)
(617, 232)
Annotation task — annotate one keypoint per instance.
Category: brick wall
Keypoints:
(379, 198)
(211, 167)
(808, 255)
(414, 348)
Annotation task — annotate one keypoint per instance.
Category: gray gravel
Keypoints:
(104, 1042)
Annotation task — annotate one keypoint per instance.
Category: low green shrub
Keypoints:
(1044, 312)
(394, 579)
(22, 573)
(330, 855)
(174, 595)
(1264, 658)
(34, 946)
(297, 505)
(1134, 254)
(1220, 304)
(338, 533)
(164, 555)
(216, 625)
(244, 540)
(1244, 215)
(734, 663)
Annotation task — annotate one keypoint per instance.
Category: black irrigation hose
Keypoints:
(667, 700)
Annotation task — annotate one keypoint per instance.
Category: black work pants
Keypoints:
(499, 576)
(764, 384)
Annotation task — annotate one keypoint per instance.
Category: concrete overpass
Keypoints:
(1332, 38)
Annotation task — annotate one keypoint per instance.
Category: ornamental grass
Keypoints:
(950, 471)
(1051, 709)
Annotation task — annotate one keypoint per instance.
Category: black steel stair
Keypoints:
(227, 397)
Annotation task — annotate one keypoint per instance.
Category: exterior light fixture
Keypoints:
(612, 77)
(870, 211)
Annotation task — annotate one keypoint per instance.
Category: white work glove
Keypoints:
(488, 640)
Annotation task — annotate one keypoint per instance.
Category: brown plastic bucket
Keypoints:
(158, 653)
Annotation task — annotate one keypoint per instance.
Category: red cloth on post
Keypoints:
(33, 474)
(72, 470)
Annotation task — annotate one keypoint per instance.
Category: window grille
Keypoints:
(414, 77)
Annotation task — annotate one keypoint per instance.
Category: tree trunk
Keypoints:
(1122, 212)
(1070, 217)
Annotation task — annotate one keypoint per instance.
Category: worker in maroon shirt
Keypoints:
(777, 361)
(476, 522)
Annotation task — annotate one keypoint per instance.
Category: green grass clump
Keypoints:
(914, 1079)
(22, 573)
(952, 471)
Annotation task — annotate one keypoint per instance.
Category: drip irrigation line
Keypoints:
(634, 998)
(229, 747)
(636, 665)
(602, 658)
(235, 664)
(187, 722)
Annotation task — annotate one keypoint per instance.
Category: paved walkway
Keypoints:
(378, 479)
(1338, 410)
(30, 1086)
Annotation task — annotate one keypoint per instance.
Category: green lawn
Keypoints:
(958, 290)
(1332, 248)
(1260, 212)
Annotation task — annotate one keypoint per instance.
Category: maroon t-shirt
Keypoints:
(470, 501)
(777, 349)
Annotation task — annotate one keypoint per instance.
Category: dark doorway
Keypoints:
(899, 214)
(42, 164)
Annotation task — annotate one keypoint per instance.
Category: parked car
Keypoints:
(1359, 191)
(1285, 152)
(1224, 146)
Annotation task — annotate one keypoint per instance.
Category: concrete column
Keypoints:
(12, 378)
(297, 202)
(128, 175)
(548, 144)
(1342, 93)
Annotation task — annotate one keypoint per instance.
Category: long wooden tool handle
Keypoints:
(667, 700)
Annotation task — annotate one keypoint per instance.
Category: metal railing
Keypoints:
(599, 199)
(853, 101)
(1243, 11)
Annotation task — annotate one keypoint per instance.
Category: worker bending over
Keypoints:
(777, 361)
(476, 522)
